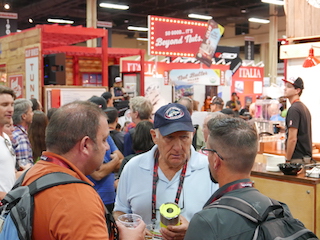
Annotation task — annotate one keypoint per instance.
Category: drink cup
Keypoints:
(130, 220)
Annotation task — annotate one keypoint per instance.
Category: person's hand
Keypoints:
(175, 232)
(137, 233)
(26, 167)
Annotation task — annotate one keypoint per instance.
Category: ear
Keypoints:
(23, 116)
(154, 135)
(216, 162)
(85, 145)
(298, 90)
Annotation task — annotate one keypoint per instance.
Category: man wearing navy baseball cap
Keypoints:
(171, 172)
(298, 123)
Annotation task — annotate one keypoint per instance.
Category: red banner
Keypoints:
(16, 83)
(175, 37)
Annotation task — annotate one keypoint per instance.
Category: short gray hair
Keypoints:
(143, 106)
(235, 140)
(21, 106)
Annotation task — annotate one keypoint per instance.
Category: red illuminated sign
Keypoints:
(175, 37)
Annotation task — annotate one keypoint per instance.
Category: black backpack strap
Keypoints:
(237, 205)
(245, 209)
(111, 225)
(276, 208)
(52, 179)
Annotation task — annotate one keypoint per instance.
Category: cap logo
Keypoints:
(173, 113)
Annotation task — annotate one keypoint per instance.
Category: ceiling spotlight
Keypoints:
(199, 16)
(276, 2)
(143, 29)
(114, 6)
(259, 20)
(60, 21)
(6, 6)
(244, 11)
(30, 20)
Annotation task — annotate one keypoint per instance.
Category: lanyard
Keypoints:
(55, 160)
(229, 189)
(155, 181)
(295, 101)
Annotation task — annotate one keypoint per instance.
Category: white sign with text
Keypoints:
(32, 72)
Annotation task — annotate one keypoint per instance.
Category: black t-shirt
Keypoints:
(118, 138)
(298, 116)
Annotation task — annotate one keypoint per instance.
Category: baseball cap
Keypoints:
(171, 118)
(106, 95)
(234, 94)
(100, 101)
(118, 79)
(217, 100)
(295, 81)
(187, 94)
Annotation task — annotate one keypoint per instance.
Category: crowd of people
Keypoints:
(138, 167)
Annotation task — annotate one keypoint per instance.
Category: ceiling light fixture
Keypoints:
(143, 39)
(311, 60)
(199, 16)
(259, 20)
(114, 6)
(52, 20)
(142, 29)
(276, 2)
(6, 6)
(30, 20)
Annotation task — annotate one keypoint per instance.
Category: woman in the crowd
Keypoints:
(36, 134)
(141, 142)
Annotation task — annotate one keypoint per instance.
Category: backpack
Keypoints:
(16, 212)
(274, 224)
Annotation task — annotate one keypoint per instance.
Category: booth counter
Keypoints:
(300, 193)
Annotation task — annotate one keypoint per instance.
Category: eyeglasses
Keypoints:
(207, 150)
(9, 146)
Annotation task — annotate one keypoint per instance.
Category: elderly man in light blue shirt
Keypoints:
(172, 171)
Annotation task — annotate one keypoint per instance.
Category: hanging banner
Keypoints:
(174, 37)
(226, 53)
(32, 72)
(210, 42)
(195, 76)
(8, 23)
(249, 48)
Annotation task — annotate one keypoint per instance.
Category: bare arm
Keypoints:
(238, 106)
(116, 214)
(2, 195)
(291, 142)
(24, 168)
(109, 167)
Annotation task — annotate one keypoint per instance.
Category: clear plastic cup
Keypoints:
(130, 220)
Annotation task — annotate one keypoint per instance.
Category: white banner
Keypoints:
(32, 73)
(195, 76)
